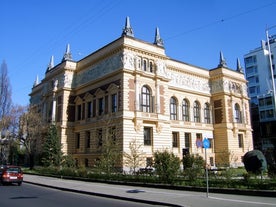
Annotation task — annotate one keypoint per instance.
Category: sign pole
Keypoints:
(206, 144)
(207, 180)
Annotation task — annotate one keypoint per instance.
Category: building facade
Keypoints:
(261, 76)
(130, 90)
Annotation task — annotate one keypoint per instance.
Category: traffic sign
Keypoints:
(206, 143)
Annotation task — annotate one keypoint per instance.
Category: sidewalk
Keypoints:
(153, 196)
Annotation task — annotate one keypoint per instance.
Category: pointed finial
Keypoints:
(36, 81)
(222, 62)
(67, 55)
(239, 67)
(51, 64)
(127, 31)
(158, 41)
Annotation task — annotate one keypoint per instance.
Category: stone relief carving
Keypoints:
(228, 86)
(96, 71)
(128, 60)
(190, 82)
(67, 80)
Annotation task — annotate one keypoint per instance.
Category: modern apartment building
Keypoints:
(131, 90)
(261, 76)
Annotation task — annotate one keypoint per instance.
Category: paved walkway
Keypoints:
(152, 195)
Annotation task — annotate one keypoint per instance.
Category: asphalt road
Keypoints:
(29, 195)
(175, 197)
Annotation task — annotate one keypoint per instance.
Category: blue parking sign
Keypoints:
(206, 143)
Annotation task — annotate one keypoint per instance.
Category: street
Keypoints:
(176, 197)
(29, 195)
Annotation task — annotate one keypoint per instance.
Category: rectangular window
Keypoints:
(199, 140)
(112, 134)
(147, 135)
(89, 109)
(114, 103)
(87, 135)
(187, 140)
(100, 106)
(77, 140)
(94, 108)
(79, 112)
(106, 104)
(175, 139)
(100, 137)
(240, 140)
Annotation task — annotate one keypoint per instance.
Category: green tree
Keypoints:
(167, 166)
(193, 166)
(110, 156)
(52, 154)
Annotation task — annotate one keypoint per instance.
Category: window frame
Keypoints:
(196, 110)
(173, 108)
(185, 110)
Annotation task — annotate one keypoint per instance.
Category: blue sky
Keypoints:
(194, 31)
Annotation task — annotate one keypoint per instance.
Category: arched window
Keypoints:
(237, 114)
(151, 67)
(173, 108)
(145, 65)
(185, 110)
(196, 111)
(207, 113)
(146, 99)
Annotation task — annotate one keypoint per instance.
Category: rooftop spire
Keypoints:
(127, 31)
(51, 64)
(36, 81)
(158, 41)
(222, 62)
(239, 67)
(67, 55)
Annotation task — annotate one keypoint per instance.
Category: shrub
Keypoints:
(167, 166)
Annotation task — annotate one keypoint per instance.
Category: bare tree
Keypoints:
(31, 129)
(5, 106)
(135, 157)
(5, 96)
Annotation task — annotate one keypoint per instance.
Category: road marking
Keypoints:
(240, 201)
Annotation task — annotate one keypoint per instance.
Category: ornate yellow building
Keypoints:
(131, 90)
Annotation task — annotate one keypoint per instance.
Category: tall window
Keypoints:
(145, 65)
(79, 112)
(187, 140)
(207, 113)
(185, 110)
(175, 139)
(100, 137)
(89, 109)
(240, 140)
(196, 111)
(237, 113)
(112, 134)
(147, 135)
(151, 67)
(114, 102)
(173, 108)
(87, 137)
(146, 99)
(101, 106)
(77, 140)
